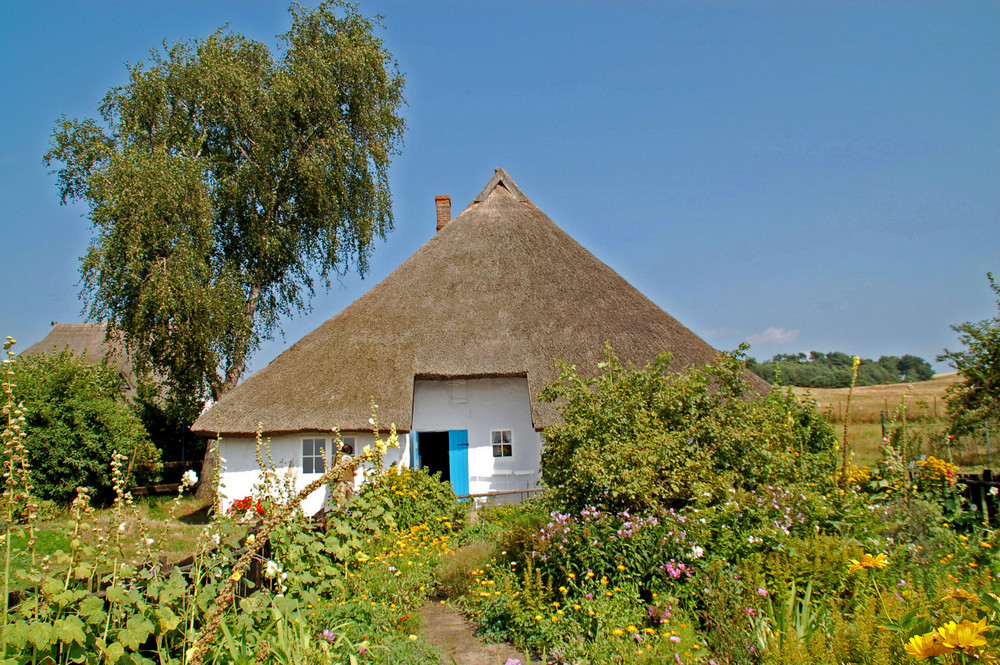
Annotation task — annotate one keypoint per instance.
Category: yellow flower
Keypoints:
(926, 646)
(618, 631)
(236, 576)
(963, 635)
(961, 594)
(868, 561)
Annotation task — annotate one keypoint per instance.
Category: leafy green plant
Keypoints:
(977, 397)
(412, 497)
(642, 439)
(75, 416)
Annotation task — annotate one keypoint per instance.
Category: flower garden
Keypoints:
(683, 522)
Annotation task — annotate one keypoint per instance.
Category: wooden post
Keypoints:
(989, 450)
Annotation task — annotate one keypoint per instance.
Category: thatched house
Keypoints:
(454, 346)
(88, 340)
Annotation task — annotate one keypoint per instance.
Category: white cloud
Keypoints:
(774, 335)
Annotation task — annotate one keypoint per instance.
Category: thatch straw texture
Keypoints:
(499, 291)
(89, 339)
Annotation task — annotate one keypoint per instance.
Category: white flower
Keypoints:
(994, 490)
(271, 568)
(189, 479)
(697, 551)
(149, 542)
(121, 528)
(216, 538)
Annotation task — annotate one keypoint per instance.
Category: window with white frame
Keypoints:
(501, 443)
(313, 455)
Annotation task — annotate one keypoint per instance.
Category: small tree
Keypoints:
(76, 417)
(977, 397)
(222, 181)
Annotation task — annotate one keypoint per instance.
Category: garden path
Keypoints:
(454, 635)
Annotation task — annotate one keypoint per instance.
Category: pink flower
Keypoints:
(761, 591)
(675, 638)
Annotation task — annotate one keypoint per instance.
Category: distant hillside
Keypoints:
(924, 399)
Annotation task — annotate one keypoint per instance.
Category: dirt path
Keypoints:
(453, 634)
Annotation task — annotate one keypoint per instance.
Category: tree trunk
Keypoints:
(205, 490)
(233, 374)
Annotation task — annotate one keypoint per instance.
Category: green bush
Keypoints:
(77, 416)
(645, 439)
(412, 497)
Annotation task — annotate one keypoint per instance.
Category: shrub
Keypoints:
(412, 497)
(645, 439)
(77, 416)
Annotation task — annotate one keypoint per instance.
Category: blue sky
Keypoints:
(819, 175)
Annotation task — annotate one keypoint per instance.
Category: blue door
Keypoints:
(458, 460)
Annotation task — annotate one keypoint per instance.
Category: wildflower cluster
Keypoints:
(937, 471)
(590, 618)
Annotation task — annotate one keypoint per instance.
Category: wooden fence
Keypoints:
(172, 472)
(982, 490)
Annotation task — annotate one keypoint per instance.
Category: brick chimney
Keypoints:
(443, 210)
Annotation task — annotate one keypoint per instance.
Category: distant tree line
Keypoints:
(833, 370)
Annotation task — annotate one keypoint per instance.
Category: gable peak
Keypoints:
(501, 179)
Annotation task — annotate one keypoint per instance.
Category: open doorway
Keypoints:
(434, 453)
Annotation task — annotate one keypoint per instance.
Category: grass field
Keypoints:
(924, 400)
(175, 537)
(924, 414)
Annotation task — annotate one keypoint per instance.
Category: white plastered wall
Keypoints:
(480, 406)
(242, 472)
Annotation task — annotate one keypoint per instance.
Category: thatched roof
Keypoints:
(89, 339)
(499, 291)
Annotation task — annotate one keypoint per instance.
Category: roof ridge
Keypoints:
(501, 177)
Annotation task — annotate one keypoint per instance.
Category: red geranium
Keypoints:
(247, 503)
